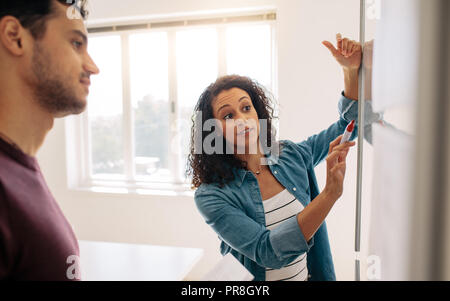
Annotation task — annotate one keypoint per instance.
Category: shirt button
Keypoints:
(295, 189)
(309, 276)
(275, 172)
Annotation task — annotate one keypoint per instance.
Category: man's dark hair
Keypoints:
(34, 14)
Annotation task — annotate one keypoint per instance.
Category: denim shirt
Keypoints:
(236, 212)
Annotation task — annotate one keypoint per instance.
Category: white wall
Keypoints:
(309, 84)
(105, 10)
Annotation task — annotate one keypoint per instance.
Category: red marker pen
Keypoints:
(348, 132)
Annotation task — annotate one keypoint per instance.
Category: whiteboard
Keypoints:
(395, 80)
(395, 54)
(392, 201)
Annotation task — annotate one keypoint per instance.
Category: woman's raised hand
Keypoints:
(348, 52)
(337, 155)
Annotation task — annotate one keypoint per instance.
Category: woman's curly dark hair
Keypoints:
(218, 168)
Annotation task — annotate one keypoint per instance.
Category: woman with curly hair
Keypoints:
(261, 196)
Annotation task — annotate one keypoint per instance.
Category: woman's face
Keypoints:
(237, 118)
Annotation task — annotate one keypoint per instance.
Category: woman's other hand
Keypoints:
(348, 52)
(336, 168)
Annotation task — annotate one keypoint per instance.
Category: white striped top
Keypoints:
(278, 209)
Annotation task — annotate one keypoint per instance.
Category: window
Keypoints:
(105, 107)
(149, 89)
(136, 129)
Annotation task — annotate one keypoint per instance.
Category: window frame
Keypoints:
(78, 132)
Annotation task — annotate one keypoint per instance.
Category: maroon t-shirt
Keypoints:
(36, 241)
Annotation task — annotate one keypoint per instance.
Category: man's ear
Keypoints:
(12, 35)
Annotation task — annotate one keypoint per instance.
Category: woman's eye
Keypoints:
(247, 108)
(228, 116)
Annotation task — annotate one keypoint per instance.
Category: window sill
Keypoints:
(170, 190)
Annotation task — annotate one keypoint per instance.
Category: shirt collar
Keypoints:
(241, 173)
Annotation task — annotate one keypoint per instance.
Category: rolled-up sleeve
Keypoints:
(318, 145)
(349, 111)
(273, 248)
(287, 239)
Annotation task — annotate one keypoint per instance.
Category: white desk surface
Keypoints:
(107, 261)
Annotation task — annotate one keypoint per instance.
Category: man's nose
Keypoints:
(90, 66)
